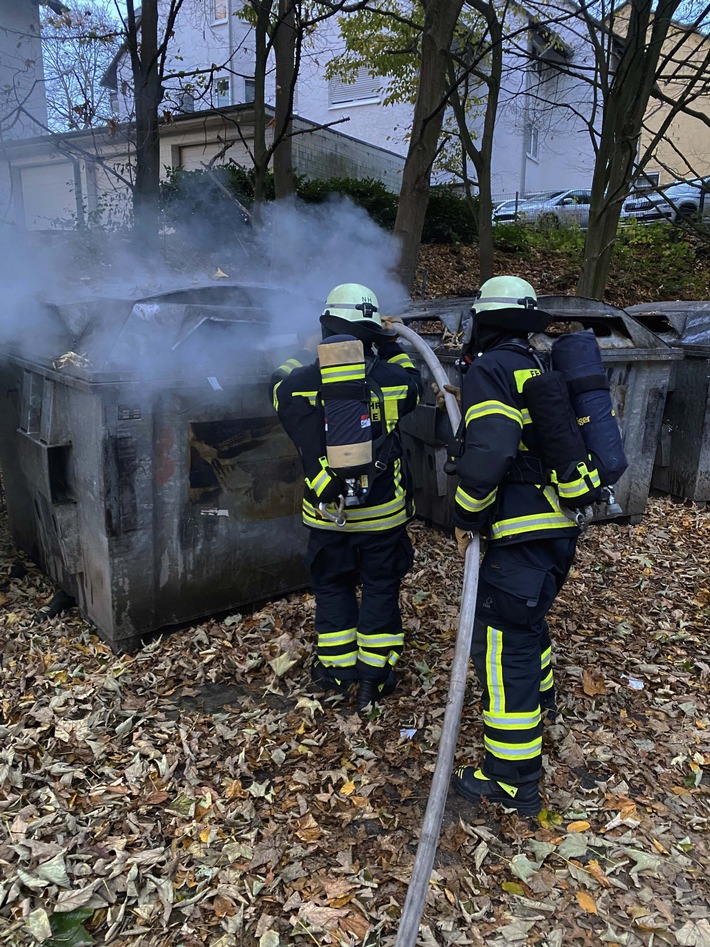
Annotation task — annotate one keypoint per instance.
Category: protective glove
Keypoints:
(389, 321)
(463, 538)
(440, 397)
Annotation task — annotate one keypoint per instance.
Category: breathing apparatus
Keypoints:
(346, 393)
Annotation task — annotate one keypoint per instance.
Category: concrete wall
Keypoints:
(326, 153)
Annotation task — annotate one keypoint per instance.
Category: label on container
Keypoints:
(215, 384)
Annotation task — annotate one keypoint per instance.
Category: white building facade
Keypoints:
(539, 144)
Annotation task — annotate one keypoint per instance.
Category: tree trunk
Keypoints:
(625, 105)
(148, 96)
(285, 49)
(440, 18)
(261, 154)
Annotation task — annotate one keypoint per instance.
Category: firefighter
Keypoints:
(505, 494)
(371, 550)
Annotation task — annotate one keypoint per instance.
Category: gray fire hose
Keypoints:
(429, 837)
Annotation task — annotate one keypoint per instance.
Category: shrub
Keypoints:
(449, 217)
(370, 194)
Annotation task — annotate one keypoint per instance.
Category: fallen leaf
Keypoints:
(587, 902)
(593, 683)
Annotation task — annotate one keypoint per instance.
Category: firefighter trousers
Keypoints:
(360, 640)
(511, 650)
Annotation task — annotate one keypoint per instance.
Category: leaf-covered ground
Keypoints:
(645, 276)
(196, 793)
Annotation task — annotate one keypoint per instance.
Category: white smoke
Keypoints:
(62, 293)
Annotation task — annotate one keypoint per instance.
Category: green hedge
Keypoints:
(185, 194)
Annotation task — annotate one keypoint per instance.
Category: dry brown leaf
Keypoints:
(586, 902)
(593, 683)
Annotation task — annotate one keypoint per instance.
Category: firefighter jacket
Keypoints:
(504, 491)
(296, 395)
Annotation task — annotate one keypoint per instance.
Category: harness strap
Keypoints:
(589, 383)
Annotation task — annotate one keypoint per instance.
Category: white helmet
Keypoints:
(505, 292)
(353, 302)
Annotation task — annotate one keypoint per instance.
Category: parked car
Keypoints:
(689, 199)
(555, 209)
(507, 211)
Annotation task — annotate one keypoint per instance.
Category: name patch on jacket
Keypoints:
(522, 375)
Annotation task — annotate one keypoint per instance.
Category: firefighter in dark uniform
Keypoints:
(506, 494)
(356, 643)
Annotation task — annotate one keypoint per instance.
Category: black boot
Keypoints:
(325, 680)
(473, 785)
(370, 692)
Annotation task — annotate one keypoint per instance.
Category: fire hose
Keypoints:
(431, 827)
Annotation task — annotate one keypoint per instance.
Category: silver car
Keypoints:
(689, 199)
(560, 209)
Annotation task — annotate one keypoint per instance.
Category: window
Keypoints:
(249, 90)
(532, 144)
(577, 197)
(365, 88)
(219, 10)
(221, 94)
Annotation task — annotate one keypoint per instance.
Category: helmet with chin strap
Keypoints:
(504, 292)
(353, 308)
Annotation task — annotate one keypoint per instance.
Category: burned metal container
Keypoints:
(682, 463)
(149, 475)
(638, 364)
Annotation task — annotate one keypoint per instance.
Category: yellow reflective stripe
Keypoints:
(486, 408)
(526, 417)
(381, 641)
(547, 682)
(289, 365)
(361, 526)
(312, 396)
(587, 479)
(338, 660)
(494, 670)
(374, 660)
(471, 504)
(513, 751)
(528, 524)
(337, 637)
(403, 359)
(551, 496)
(546, 657)
(319, 482)
(333, 373)
(519, 721)
(568, 492)
(392, 395)
(275, 397)
(366, 512)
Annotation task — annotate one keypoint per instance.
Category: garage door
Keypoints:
(48, 196)
(192, 157)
